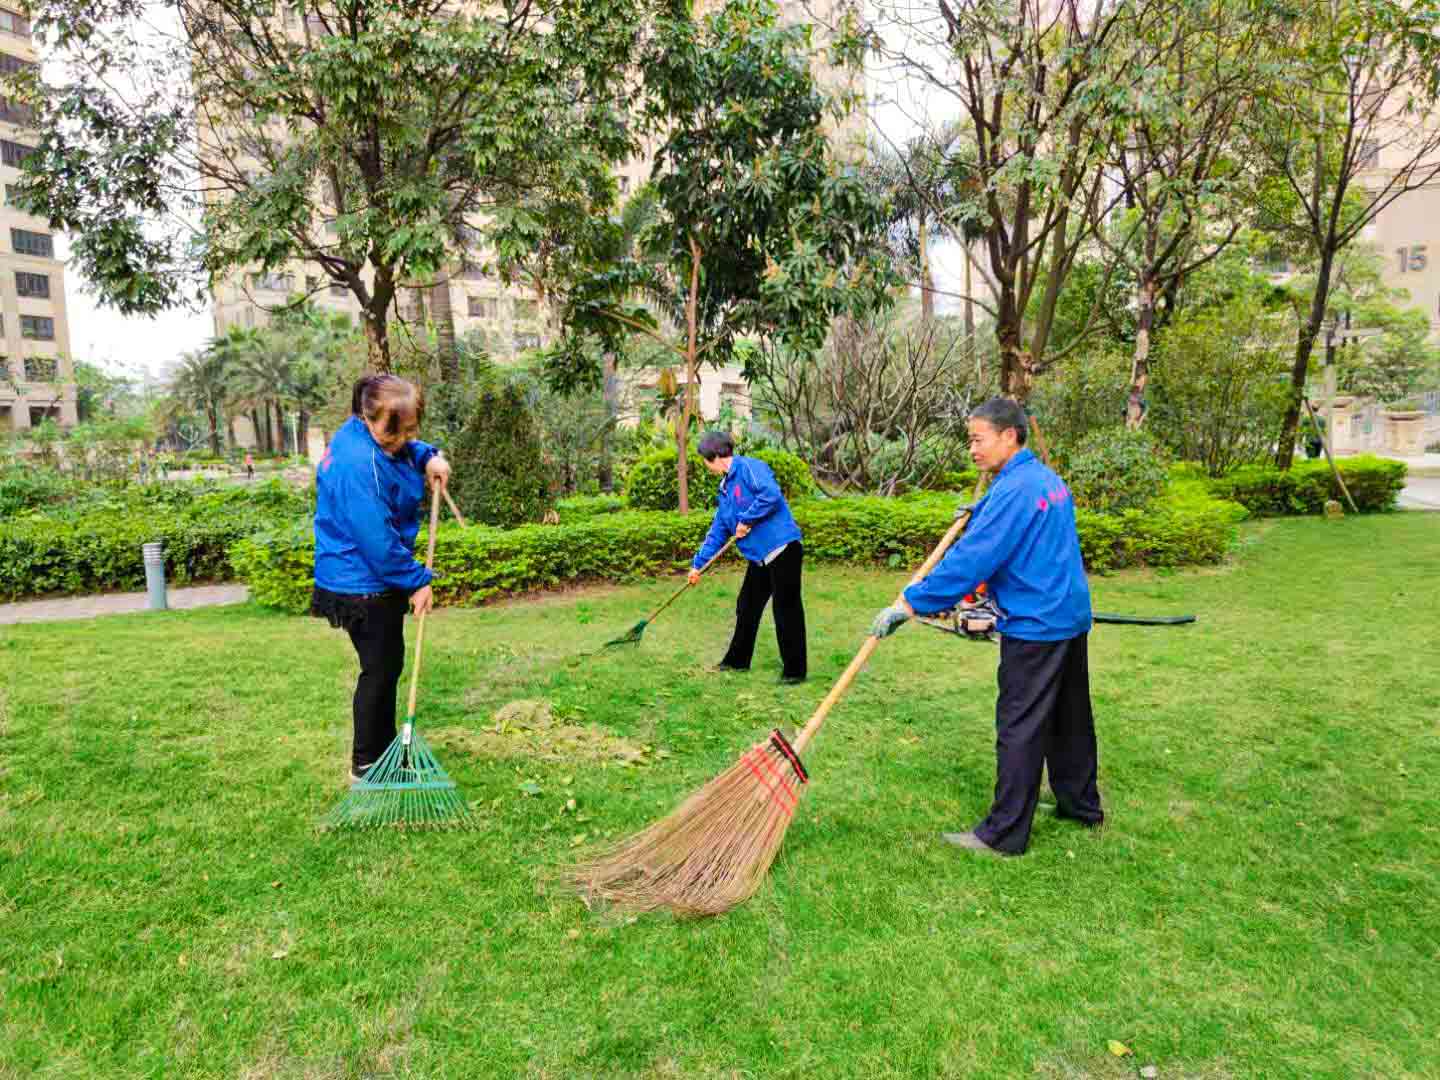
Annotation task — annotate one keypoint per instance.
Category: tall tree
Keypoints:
(201, 382)
(1347, 128)
(384, 141)
(1037, 84)
(1174, 155)
(761, 232)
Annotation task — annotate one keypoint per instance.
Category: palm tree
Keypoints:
(200, 382)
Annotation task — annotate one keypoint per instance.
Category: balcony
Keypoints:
(42, 369)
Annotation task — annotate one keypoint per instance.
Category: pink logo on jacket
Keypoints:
(1052, 497)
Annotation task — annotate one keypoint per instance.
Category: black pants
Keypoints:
(781, 580)
(1042, 718)
(379, 641)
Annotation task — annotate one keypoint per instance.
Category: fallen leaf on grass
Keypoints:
(1119, 1049)
(279, 954)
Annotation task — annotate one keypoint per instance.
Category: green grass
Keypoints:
(1262, 903)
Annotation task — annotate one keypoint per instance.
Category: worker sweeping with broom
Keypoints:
(369, 488)
(1023, 543)
(753, 509)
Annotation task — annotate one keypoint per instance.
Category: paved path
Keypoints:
(1421, 493)
(88, 607)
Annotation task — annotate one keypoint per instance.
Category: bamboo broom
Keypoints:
(712, 851)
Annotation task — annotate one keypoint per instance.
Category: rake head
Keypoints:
(406, 788)
(631, 636)
(710, 853)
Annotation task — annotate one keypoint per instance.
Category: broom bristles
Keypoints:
(631, 636)
(405, 788)
(712, 851)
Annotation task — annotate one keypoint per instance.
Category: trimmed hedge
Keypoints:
(1374, 483)
(94, 546)
(476, 564)
(653, 485)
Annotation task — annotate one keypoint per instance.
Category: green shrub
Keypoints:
(499, 472)
(652, 484)
(1374, 484)
(94, 545)
(475, 564)
(1114, 469)
(582, 507)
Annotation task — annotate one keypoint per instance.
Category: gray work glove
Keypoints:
(888, 621)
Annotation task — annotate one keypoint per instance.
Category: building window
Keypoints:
(41, 369)
(13, 65)
(624, 184)
(27, 284)
(25, 242)
(482, 307)
(527, 310)
(527, 341)
(272, 282)
(1367, 154)
(38, 327)
(14, 153)
(312, 283)
(473, 273)
(11, 23)
(14, 113)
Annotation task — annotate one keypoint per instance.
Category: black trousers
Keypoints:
(379, 640)
(780, 581)
(1042, 719)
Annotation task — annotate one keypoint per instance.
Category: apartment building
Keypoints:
(37, 379)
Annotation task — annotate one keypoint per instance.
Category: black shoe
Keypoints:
(791, 680)
(357, 772)
(723, 666)
(968, 841)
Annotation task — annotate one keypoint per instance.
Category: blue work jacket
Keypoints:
(749, 495)
(1022, 542)
(367, 514)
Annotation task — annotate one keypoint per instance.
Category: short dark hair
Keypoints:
(1001, 413)
(387, 401)
(716, 444)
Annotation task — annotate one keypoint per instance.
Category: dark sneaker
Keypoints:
(969, 842)
(723, 666)
(791, 680)
(358, 773)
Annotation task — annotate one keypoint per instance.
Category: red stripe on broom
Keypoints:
(774, 795)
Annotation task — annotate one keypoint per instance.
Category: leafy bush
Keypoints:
(94, 545)
(583, 507)
(475, 564)
(33, 487)
(652, 484)
(499, 474)
(1114, 469)
(1374, 484)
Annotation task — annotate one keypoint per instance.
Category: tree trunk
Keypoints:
(970, 313)
(606, 471)
(373, 318)
(304, 432)
(682, 433)
(1304, 346)
(213, 415)
(1140, 365)
(1016, 376)
(927, 284)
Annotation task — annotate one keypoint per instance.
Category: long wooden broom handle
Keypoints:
(676, 594)
(420, 623)
(843, 683)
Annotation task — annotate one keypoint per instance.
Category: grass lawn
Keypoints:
(1263, 902)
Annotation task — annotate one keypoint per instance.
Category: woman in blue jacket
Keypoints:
(752, 507)
(369, 487)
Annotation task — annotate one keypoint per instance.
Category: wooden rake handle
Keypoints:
(871, 641)
(420, 623)
(676, 594)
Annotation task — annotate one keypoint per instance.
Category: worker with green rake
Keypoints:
(369, 487)
(1022, 542)
(752, 507)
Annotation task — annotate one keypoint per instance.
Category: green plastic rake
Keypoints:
(636, 632)
(406, 787)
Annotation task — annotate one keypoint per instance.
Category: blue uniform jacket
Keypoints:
(367, 514)
(749, 495)
(1022, 542)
